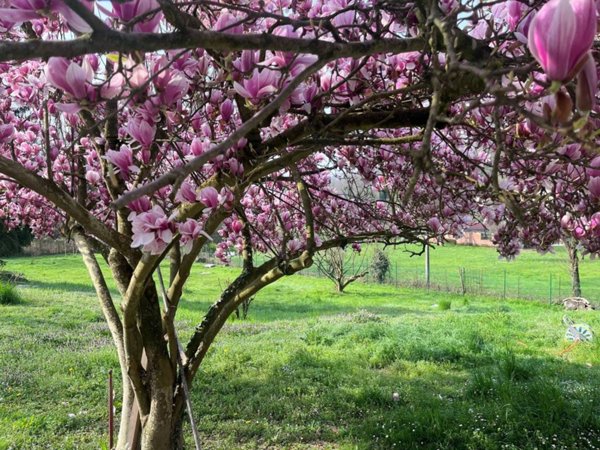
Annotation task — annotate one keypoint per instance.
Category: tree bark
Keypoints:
(571, 247)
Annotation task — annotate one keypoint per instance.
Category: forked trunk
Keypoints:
(160, 431)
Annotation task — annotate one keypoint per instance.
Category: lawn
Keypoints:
(312, 369)
(530, 275)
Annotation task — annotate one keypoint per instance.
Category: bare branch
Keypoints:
(116, 41)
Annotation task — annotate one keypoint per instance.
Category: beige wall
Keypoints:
(474, 238)
(49, 247)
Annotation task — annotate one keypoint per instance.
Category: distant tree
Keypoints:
(341, 266)
(572, 250)
(380, 266)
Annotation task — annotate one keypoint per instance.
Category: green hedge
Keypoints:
(13, 241)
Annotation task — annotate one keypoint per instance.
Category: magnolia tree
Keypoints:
(141, 128)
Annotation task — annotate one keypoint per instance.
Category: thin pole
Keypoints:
(427, 266)
(505, 284)
(111, 417)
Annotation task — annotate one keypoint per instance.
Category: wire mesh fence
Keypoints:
(462, 279)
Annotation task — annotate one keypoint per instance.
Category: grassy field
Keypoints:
(530, 275)
(312, 369)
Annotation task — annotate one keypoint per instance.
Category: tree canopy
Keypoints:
(141, 128)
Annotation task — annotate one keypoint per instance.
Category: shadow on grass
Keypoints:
(64, 286)
(307, 397)
(271, 310)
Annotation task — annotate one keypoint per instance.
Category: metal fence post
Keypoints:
(427, 266)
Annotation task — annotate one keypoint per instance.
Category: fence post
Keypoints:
(427, 266)
(504, 296)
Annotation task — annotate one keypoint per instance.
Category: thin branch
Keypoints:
(176, 176)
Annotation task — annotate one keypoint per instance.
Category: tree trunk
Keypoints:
(153, 432)
(571, 247)
(127, 427)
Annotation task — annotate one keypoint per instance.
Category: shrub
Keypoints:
(13, 241)
(380, 266)
(8, 294)
(444, 305)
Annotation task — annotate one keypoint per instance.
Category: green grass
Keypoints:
(312, 369)
(530, 275)
(8, 294)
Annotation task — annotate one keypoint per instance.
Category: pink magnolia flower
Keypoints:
(138, 74)
(235, 167)
(170, 85)
(6, 132)
(448, 5)
(228, 23)
(523, 26)
(246, 62)
(587, 85)
(190, 230)
(560, 36)
(128, 10)
(209, 196)
(237, 226)
(594, 187)
(594, 169)
(198, 146)
(294, 246)
(112, 87)
(123, 161)
(225, 198)
(25, 10)
(515, 10)
(92, 177)
(186, 193)
(262, 84)
(69, 76)
(434, 224)
(152, 230)
(226, 109)
(140, 205)
(141, 131)
(566, 222)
